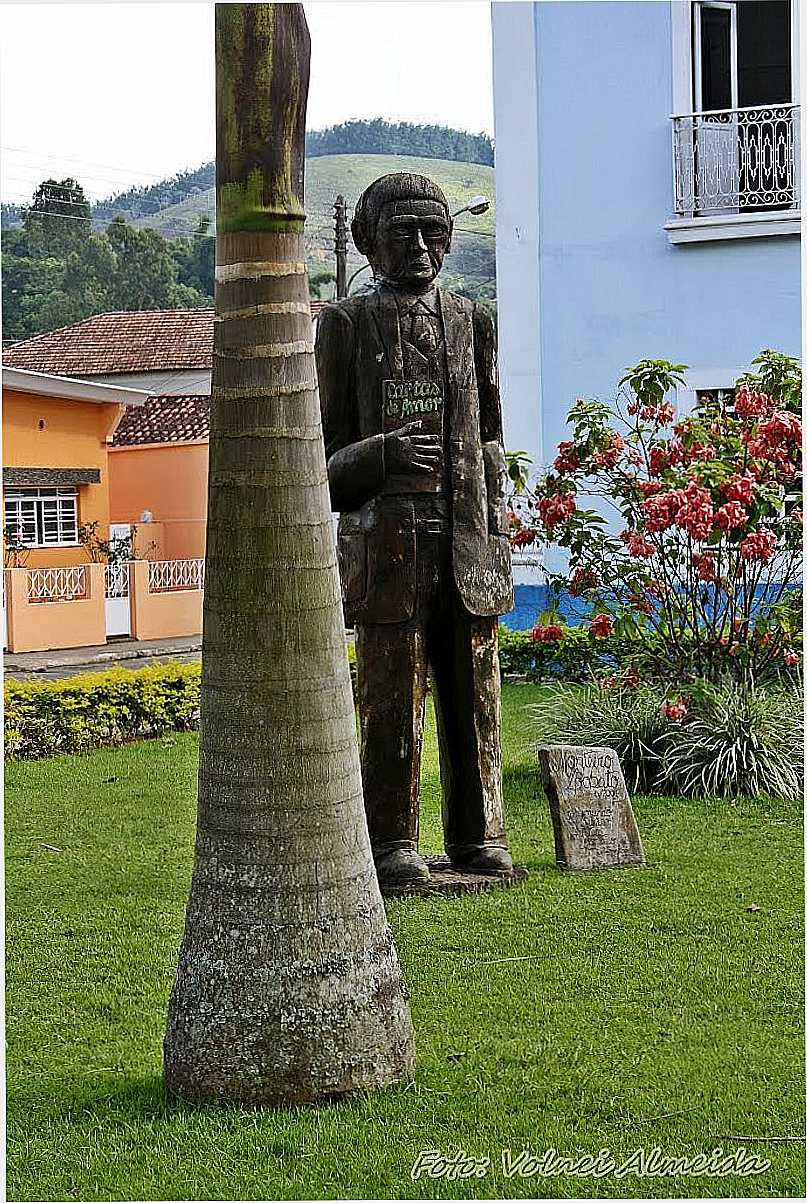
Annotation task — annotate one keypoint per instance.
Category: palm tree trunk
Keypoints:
(288, 988)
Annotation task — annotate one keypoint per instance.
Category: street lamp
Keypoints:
(476, 205)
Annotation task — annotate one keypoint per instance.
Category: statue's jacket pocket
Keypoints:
(376, 552)
(351, 553)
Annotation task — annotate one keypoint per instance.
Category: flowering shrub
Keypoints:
(704, 567)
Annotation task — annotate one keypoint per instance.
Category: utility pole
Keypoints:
(340, 245)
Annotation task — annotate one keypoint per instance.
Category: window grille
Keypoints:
(42, 517)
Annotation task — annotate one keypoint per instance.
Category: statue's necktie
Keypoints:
(423, 334)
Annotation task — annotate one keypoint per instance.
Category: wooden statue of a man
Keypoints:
(413, 436)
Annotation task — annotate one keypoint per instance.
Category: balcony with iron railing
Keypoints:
(736, 172)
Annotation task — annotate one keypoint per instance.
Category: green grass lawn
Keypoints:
(623, 1010)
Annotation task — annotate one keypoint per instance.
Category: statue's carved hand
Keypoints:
(409, 450)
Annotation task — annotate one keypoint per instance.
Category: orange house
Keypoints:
(57, 433)
(158, 475)
(158, 454)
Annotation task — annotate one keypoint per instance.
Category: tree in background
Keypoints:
(321, 282)
(288, 988)
(143, 270)
(58, 218)
(53, 276)
(195, 259)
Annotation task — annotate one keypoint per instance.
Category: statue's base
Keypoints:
(446, 882)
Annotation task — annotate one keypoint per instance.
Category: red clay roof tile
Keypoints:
(150, 340)
(168, 419)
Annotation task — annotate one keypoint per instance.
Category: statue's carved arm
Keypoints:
(490, 417)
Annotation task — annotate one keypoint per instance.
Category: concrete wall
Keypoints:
(592, 102)
(162, 615)
(46, 625)
(169, 480)
(33, 626)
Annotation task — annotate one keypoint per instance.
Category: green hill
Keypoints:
(472, 260)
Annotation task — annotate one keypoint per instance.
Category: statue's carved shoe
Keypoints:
(401, 867)
(487, 859)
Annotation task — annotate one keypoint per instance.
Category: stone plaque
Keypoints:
(591, 812)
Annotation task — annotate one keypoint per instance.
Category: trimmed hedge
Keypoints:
(579, 656)
(48, 718)
(52, 718)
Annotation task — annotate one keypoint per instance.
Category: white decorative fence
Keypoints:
(734, 160)
(168, 576)
(57, 584)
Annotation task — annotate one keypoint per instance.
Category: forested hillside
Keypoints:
(65, 265)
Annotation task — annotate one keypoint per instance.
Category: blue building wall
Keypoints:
(612, 287)
(596, 285)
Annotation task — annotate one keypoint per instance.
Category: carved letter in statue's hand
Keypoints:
(407, 450)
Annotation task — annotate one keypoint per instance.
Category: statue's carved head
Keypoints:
(402, 223)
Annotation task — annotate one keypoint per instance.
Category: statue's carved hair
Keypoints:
(397, 186)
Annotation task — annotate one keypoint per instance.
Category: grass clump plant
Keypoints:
(713, 741)
(737, 741)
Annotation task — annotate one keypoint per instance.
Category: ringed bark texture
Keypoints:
(288, 988)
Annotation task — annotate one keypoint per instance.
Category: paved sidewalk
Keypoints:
(121, 653)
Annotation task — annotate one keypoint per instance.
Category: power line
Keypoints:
(88, 162)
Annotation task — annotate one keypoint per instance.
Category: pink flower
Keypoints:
(523, 538)
(659, 461)
(551, 633)
(740, 487)
(609, 682)
(635, 457)
(567, 459)
(602, 625)
(730, 516)
(796, 515)
(791, 658)
(705, 567)
(758, 546)
(749, 404)
(695, 514)
(774, 438)
(637, 545)
(608, 457)
(660, 510)
(557, 508)
(675, 711)
(699, 451)
(582, 579)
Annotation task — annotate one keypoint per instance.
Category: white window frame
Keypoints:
(704, 380)
(745, 225)
(697, 8)
(66, 532)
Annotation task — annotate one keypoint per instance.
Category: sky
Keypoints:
(117, 94)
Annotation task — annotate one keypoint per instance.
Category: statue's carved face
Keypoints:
(411, 241)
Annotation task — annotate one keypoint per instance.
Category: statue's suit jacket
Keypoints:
(358, 346)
